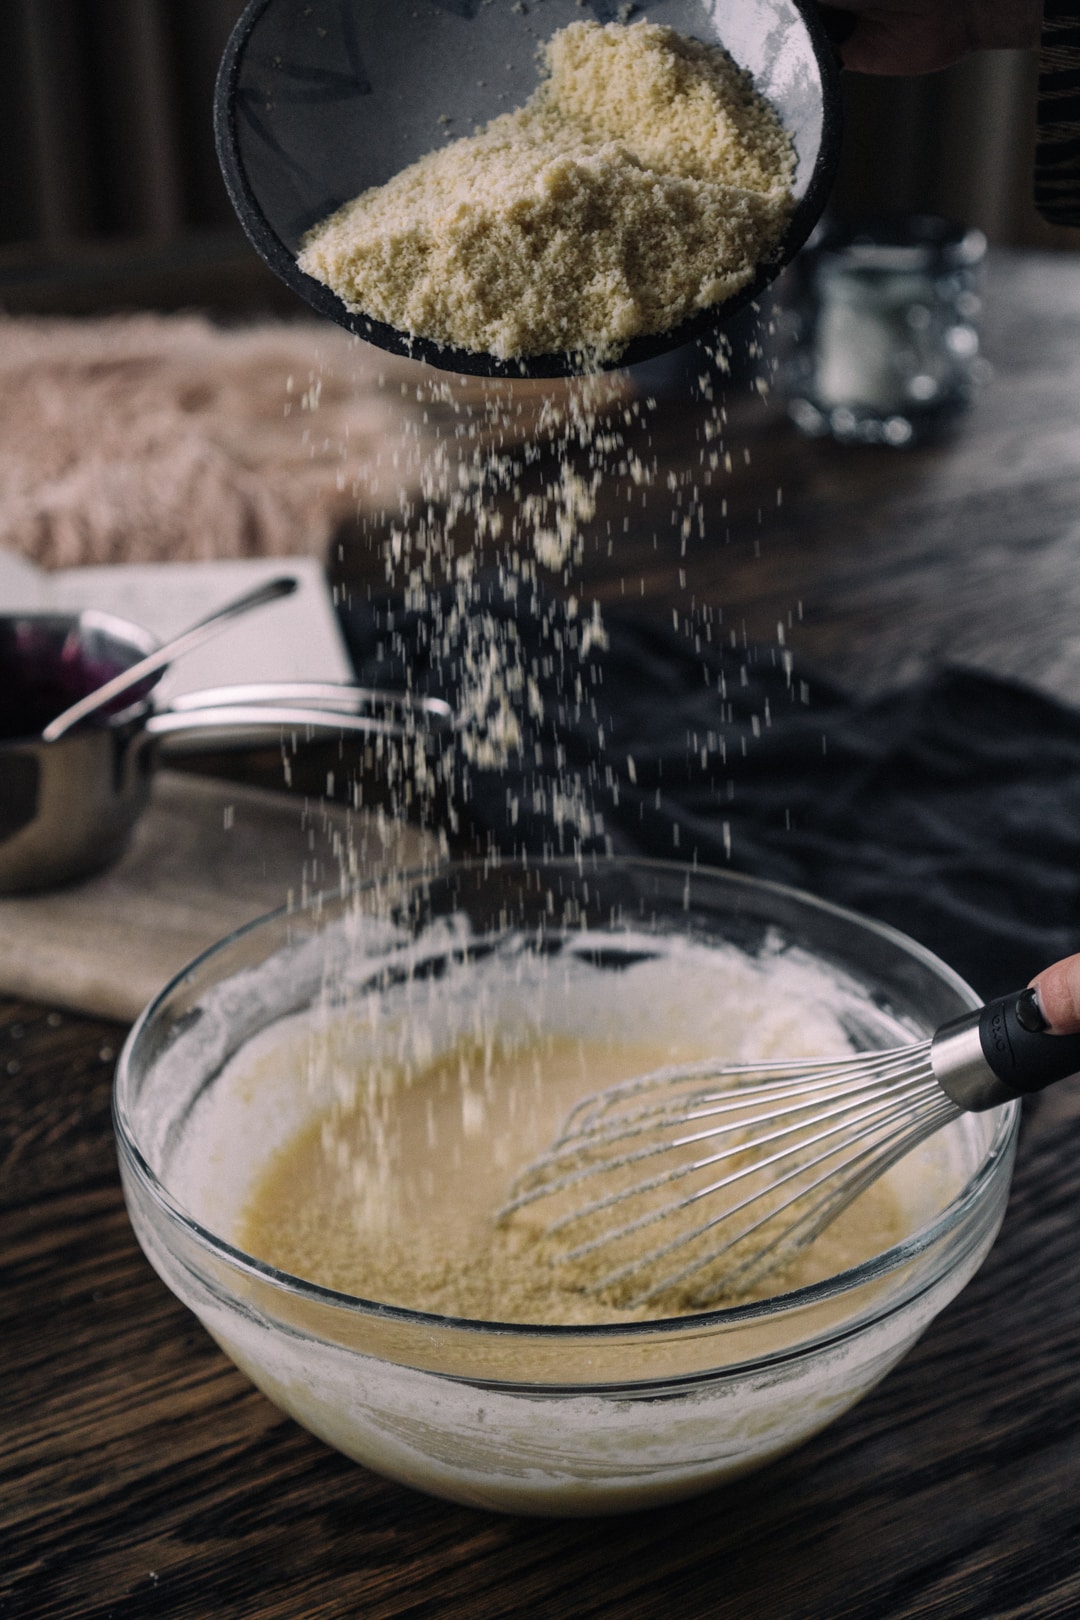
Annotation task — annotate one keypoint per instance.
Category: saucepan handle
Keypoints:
(341, 696)
(246, 716)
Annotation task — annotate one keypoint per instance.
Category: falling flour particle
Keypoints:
(643, 181)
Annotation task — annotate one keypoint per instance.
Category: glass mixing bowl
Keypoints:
(524, 1419)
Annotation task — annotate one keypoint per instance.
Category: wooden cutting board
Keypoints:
(206, 857)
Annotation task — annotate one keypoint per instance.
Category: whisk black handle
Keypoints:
(1000, 1052)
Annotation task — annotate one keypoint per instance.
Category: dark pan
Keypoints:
(319, 99)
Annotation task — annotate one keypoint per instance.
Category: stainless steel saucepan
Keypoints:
(68, 806)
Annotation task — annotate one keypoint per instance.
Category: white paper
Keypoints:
(295, 639)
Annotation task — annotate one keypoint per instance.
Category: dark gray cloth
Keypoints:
(950, 809)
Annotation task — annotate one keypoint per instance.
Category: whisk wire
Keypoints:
(844, 1116)
(686, 1109)
(872, 1065)
(802, 1140)
(809, 1225)
(837, 1199)
(539, 1181)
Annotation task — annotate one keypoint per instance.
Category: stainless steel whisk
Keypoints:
(739, 1167)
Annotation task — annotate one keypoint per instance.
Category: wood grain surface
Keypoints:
(205, 858)
(141, 1475)
(877, 563)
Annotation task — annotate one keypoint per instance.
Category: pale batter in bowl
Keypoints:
(392, 1191)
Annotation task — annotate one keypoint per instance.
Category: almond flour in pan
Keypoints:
(643, 181)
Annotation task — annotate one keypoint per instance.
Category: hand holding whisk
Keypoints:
(699, 1180)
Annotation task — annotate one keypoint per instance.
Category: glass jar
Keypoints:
(883, 330)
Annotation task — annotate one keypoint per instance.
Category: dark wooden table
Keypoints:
(140, 1474)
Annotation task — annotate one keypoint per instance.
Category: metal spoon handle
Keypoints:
(270, 591)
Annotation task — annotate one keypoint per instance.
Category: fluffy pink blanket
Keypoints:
(148, 437)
